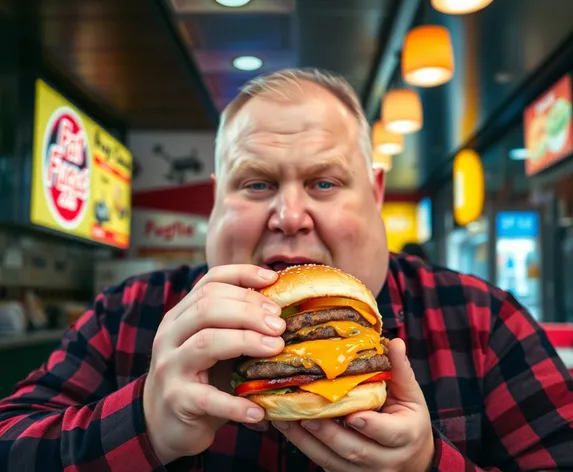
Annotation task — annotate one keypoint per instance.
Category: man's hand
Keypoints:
(397, 439)
(184, 399)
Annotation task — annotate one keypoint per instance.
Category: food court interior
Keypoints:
(470, 103)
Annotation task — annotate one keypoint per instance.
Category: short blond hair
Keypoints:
(276, 83)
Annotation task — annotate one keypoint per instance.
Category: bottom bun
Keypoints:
(306, 406)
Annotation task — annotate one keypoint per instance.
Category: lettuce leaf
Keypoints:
(276, 391)
(289, 311)
(236, 380)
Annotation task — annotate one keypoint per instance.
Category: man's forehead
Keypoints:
(291, 111)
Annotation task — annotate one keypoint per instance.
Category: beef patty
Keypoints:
(272, 370)
(294, 323)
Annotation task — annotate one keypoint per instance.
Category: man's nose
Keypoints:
(290, 213)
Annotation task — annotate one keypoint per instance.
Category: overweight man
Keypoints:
(141, 382)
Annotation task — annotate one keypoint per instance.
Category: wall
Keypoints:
(172, 170)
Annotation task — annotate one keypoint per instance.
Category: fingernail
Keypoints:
(255, 414)
(310, 425)
(271, 308)
(274, 323)
(266, 274)
(271, 341)
(281, 425)
(357, 423)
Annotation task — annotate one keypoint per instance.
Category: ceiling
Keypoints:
(338, 35)
(122, 55)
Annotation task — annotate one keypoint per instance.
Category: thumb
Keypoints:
(403, 384)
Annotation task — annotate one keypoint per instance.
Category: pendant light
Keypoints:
(459, 7)
(381, 161)
(428, 56)
(402, 111)
(386, 142)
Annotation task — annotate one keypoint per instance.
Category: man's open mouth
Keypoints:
(281, 264)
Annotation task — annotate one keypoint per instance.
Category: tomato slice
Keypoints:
(379, 377)
(252, 387)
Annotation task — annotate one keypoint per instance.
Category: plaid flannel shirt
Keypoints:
(499, 397)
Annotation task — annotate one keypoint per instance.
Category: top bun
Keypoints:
(299, 283)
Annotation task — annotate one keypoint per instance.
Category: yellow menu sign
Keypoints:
(81, 182)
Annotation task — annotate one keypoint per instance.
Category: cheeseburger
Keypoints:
(335, 360)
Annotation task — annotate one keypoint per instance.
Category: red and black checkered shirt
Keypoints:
(499, 397)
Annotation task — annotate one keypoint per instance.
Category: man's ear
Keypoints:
(379, 181)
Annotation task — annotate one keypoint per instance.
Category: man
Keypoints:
(141, 382)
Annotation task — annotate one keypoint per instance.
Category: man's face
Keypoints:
(294, 188)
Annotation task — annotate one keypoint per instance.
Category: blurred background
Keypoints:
(469, 101)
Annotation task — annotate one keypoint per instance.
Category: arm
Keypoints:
(528, 396)
(68, 415)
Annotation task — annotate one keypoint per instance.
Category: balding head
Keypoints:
(288, 85)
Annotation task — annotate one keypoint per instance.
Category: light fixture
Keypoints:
(459, 7)
(233, 3)
(247, 63)
(386, 142)
(381, 161)
(428, 56)
(469, 187)
(518, 154)
(402, 111)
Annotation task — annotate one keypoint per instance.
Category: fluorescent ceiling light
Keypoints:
(247, 63)
(233, 3)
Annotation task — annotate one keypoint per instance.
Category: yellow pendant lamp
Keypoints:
(428, 56)
(381, 161)
(460, 7)
(386, 142)
(402, 111)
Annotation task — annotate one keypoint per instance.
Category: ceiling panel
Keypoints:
(239, 32)
(124, 55)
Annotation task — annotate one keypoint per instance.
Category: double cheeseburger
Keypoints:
(335, 360)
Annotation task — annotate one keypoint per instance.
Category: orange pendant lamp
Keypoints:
(402, 111)
(386, 142)
(428, 56)
(459, 7)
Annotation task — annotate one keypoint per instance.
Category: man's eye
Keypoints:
(258, 186)
(323, 185)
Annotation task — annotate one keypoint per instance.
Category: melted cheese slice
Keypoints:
(333, 355)
(334, 390)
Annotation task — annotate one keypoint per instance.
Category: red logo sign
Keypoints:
(170, 231)
(67, 173)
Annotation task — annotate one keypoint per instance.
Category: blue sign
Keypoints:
(517, 224)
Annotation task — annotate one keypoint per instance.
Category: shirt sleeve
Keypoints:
(528, 399)
(69, 414)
